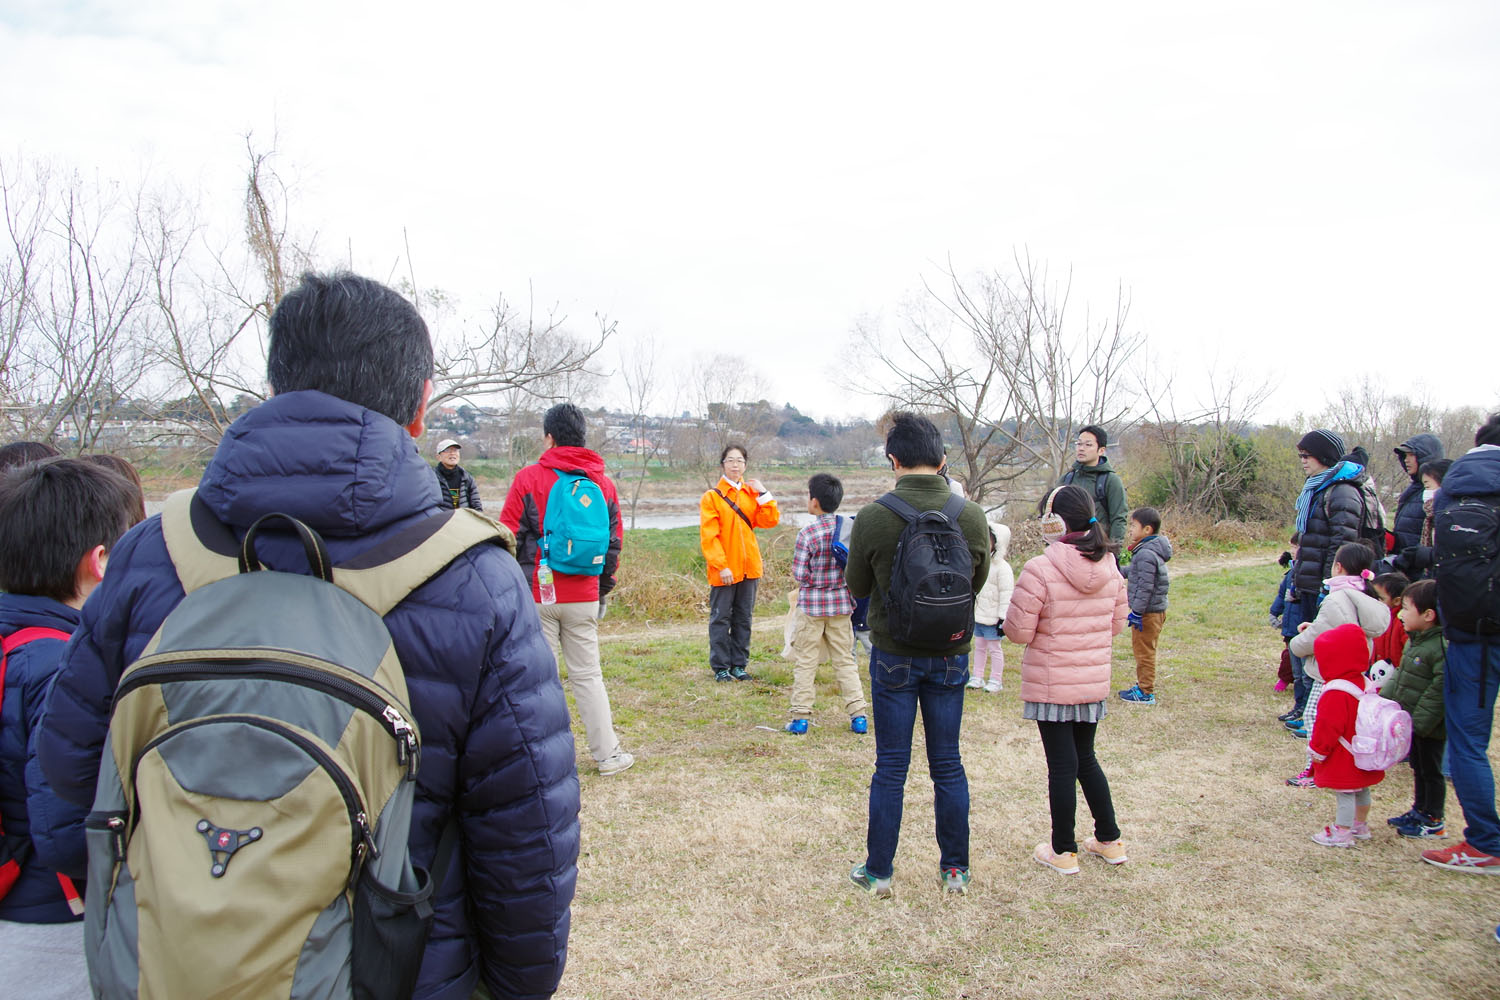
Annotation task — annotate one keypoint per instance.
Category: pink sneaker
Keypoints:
(1334, 836)
(1361, 831)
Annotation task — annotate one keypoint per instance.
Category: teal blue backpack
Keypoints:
(575, 532)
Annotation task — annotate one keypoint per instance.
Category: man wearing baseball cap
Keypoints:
(457, 486)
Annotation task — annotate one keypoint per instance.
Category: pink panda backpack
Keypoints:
(1382, 728)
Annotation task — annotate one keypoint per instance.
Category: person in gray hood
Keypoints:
(1413, 453)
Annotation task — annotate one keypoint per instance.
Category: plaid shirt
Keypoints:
(822, 591)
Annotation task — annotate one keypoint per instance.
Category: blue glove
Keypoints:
(1135, 622)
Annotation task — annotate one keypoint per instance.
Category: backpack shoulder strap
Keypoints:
(899, 507)
(953, 508)
(22, 636)
(1342, 685)
(202, 548)
(382, 577)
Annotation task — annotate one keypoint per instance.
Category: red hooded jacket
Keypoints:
(1341, 654)
(525, 511)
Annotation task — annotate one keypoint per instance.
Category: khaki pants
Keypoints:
(813, 641)
(1143, 644)
(572, 630)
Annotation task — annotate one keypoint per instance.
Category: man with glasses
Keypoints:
(1093, 473)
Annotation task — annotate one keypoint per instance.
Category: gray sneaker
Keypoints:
(616, 762)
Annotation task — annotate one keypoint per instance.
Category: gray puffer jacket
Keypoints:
(1146, 574)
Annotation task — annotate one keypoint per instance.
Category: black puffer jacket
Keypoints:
(1409, 513)
(1332, 521)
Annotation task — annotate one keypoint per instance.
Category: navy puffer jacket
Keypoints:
(1409, 513)
(497, 747)
(1332, 521)
(30, 810)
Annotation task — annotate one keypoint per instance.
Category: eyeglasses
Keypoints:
(734, 461)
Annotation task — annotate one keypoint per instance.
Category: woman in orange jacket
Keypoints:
(728, 516)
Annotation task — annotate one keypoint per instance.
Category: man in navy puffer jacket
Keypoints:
(350, 363)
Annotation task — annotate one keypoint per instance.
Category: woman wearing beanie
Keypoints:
(1329, 510)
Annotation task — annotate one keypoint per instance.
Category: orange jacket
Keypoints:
(727, 540)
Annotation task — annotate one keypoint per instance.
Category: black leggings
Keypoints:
(1069, 747)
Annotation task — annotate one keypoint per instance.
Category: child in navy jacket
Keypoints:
(1286, 613)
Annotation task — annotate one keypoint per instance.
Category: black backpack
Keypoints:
(930, 601)
(1466, 560)
(1101, 494)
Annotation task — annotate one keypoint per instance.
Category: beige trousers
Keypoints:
(572, 630)
(813, 641)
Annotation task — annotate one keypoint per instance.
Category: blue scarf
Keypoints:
(1305, 498)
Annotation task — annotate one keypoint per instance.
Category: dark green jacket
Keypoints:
(872, 548)
(1418, 685)
(1116, 509)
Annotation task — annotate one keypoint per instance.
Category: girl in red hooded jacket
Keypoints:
(1342, 654)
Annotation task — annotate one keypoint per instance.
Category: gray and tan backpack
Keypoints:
(249, 833)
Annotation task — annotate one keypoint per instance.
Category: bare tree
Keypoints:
(1209, 457)
(646, 378)
(718, 388)
(1003, 361)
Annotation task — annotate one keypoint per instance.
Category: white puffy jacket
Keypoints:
(993, 600)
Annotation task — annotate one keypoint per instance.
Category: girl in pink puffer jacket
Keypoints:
(1067, 606)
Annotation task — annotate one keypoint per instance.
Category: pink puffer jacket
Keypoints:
(1065, 609)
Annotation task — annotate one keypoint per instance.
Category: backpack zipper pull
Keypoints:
(408, 753)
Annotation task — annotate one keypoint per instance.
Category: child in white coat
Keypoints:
(990, 606)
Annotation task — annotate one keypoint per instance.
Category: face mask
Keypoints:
(1428, 495)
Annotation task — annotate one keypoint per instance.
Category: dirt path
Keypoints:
(767, 623)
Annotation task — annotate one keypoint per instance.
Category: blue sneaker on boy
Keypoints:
(859, 724)
(1136, 696)
(797, 727)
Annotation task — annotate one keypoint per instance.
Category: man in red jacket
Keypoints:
(571, 622)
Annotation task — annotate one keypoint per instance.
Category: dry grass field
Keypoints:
(717, 867)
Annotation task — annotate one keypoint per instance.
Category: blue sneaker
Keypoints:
(1295, 725)
(797, 727)
(859, 724)
(1136, 696)
(881, 887)
(1403, 819)
(1422, 827)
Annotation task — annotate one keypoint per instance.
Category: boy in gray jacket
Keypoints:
(1146, 588)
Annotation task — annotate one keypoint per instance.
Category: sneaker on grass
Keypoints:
(859, 724)
(797, 727)
(974, 682)
(1463, 858)
(1334, 836)
(1136, 696)
(1403, 818)
(954, 880)
(862, 879)
(1423, 827)
(1066, 862)
(1112, 851)
(993, 687)
(1302, 779)
(616, 762)
(1361, 830)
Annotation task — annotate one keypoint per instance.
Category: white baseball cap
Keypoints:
(447, 443)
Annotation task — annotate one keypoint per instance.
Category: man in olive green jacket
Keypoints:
(904, 678)
(1093, 473)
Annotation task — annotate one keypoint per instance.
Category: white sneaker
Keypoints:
(616, 762)
(993, 687)
(974, 682)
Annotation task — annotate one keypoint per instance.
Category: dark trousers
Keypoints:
(729, 624)
(1428, 788)
(1069, 747)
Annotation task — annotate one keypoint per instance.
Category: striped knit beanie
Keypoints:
(1324, 445)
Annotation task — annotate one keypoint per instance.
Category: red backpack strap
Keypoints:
(16, 639)
(21, 637)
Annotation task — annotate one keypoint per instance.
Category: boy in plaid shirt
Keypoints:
(821, 626)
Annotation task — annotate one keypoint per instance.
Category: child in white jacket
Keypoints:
(990, 606)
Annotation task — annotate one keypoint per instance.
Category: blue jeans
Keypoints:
(1469, 709)
(899, 685)
(1301, 684)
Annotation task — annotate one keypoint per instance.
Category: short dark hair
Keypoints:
(734, 446)
(1489, 431)
(566, 424)
(1394, 584)
(352, 338)
(52, 513)
(122, 466)
(1437, 469)
(827, 490)
(20, 452)
(1098, 432)
(1147, 517)
(1076, 507)
(914, 441)
(1423, 596)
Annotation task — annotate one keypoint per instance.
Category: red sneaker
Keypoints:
(1463, 858)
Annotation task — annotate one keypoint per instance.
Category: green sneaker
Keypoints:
(954, 880)
(881, 887)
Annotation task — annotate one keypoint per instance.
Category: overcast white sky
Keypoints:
(1304, 190)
